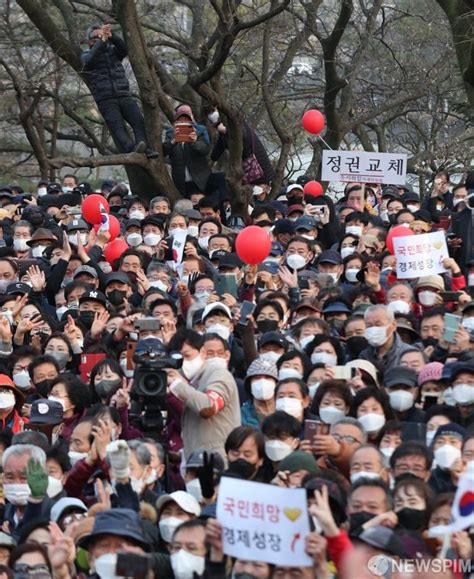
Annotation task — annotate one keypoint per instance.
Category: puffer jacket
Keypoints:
(103, 69)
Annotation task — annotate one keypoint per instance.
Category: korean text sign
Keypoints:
(263, 522)
(364, 167)
(420, 255)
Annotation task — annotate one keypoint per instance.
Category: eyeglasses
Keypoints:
(347, 438)
(68, 519)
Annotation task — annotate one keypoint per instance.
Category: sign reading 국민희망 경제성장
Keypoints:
(420, 255)
(364, 167)
(263, 522)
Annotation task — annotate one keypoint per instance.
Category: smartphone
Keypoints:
(430, 401)
(313, 427)
(451, 324)
(88, 361)
(450, 296)
(183, 133)
(225, 283)
(246, 309)
(133, 565)
(343, 373)
(303, 283)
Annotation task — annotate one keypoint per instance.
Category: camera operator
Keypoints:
(110, 88)
(209, 394)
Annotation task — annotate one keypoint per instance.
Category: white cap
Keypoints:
(184, 500)
(364, 365)
(64, 504)
(293, 186)
(216, 306)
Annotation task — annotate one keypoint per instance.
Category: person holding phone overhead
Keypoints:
(187, 145)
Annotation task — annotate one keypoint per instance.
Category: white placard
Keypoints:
(263, 522)
(179, 241)
(364, 167)
(420, 255)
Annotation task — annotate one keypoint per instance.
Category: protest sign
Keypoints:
(420, 255)
(364, 167)
(179, 241)
(263, 522)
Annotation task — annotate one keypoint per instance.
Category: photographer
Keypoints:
(109, 86)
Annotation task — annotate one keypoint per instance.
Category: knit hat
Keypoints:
(432, 372)
(299, 460)
(450, 429)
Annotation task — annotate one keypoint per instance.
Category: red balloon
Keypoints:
(114, 249)
(253, 244)
(313, 188)
(114, 227)
(398, 231)
(92, 208)
(313, 121)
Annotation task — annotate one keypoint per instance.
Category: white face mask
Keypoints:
(192, 367)
(284, 373)
(429, 436)
(468, 324)
(216, 363)
(202, 297)
(134, 239)
(16, 494)
(22, 380)
(263, 388)
(7, 400)
(387, 453)
(270, 356)
(398, 307)
(38, 250)
(159, 285)
(138, 485)
(213, 117)
(296, 261)
(55, 486)
(412, 208)
(186, 564)
(333, 276)
(60, 311)
(76, 456)
(67, 189)
(9, 315)
(351, 274)
(324, 358)
(355, 476)
(470, 279)
(203, 242)
(21, 244)
(136, 214)
(446, 455)
(401, 400)
(105, 566)
(193, 230)
(372, 422)
(152, 239)
(277, 450)
(167, 527)
(331, 414)
(345, 251)
(123, 364)
(463, 394)
(42, 191)
(457, 201)
(448, 396)
(313, 388)
(305, 341)
(427, 298)
(384, 216)
(291, 406)
(354, 230)
(376, 336)
(173, 232)
(220, 330)
(193, 487)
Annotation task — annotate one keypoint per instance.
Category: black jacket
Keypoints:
(103, 70)
(462, 226)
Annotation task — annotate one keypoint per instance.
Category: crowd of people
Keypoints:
(129, 388)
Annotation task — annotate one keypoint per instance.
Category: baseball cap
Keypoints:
(120, 522)
(283, 226)
(183, 499)
(216, 306)
(77, 224)
(229, 260)
(330, 256)
(46, 411)
(119, 276)
(18, 288)
(432, 281)
(85, 269)
(66, 504)
(273, 338)
(93, 295)
(400, 376)
(305, 222)
(336, 308)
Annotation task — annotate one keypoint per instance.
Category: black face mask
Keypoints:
(43, 387)
(116, 297)
(115, 209)
(412, 519)
(392, 218)
(355, 345)
(107, 388)
(242, 468)
(267, 326)
(87, 319)
(429, 342)
(357, 520)
(336, 324)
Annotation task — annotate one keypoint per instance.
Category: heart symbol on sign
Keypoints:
(438, 244)
(292, 514)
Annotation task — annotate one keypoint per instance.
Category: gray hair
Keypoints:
(23, 223)
(21, 449)
(366, 446)
(182, 205)
(158, 199)
(141, 451)
(157, 266)
(159, 448)
(352, 422)
(379, 308)
(402, 284)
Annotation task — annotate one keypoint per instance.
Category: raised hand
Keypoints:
(61, 551)
(288, 277)
(99, 324)
(37, 278)
(37, 479)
